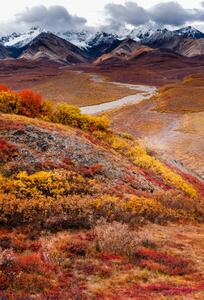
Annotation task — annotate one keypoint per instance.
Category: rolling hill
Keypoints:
(81, 203)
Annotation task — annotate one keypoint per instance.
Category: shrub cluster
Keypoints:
(25, 103)
(138, 155)
(49, 184)
(117, 238)
(78, 211)
(7, 150)
(71, 115)
(31, 104)
(162, 262)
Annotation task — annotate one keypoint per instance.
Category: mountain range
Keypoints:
(71, 47)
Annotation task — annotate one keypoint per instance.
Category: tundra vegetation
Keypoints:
(88, 213)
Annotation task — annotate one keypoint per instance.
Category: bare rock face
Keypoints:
(192, 47)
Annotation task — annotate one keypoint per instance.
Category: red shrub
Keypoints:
(90, 171)
(78, 248)
(35, 246)
(158, 261)
(6, 150)
(30, 103)
(30, 263)
(4, 88)
(109, 256)
(150, 176)
(31, 283)
(4, 282)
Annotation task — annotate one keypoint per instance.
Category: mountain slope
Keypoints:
(127, 50)
(190, 31)
(4, 52)
(49, 46)
(19, 40)
(102, 43)
(182, 45)
(191, 47)
(80, 212)
(99, 43)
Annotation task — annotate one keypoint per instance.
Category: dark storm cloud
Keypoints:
(171, 13)
(58, 18)
(54, 17)
(168, 13)
(130, 12)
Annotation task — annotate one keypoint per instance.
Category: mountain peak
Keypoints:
(190, 31)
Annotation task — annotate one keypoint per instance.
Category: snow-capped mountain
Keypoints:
(51, 47)
(101, 43)
(190, 31)
(143, 32)
(19, 40)
(147, 33)
(80, 39)
(95, 44)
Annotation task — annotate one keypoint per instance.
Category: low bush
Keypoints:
(162, 262)
(7, 150)
(9, 102)
(56, 200)
(50, 184)
(71, 115)
(116, 238)
(138, 155)
(29, 103)
(186, 206)
(78, 211)
(25, 103)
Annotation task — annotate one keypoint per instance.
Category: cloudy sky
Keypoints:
(108, 14)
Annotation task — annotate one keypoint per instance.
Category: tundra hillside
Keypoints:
(89, 213)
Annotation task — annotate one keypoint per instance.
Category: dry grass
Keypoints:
(185, 96)
(79, 89)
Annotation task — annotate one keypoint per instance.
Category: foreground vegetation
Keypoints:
(76, 202)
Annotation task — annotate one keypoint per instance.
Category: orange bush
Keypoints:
(30, 103)
(25, 103)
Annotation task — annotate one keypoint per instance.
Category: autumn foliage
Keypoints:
(74, 202)
(4, 88)
(31, 104)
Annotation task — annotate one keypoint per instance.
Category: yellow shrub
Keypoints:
(71, 115)
(134, 207)
(84, 211)
(80, 211)
(53, 184)
(8, 102)
(138, 155)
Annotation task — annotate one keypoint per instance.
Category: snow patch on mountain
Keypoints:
(19, 40)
